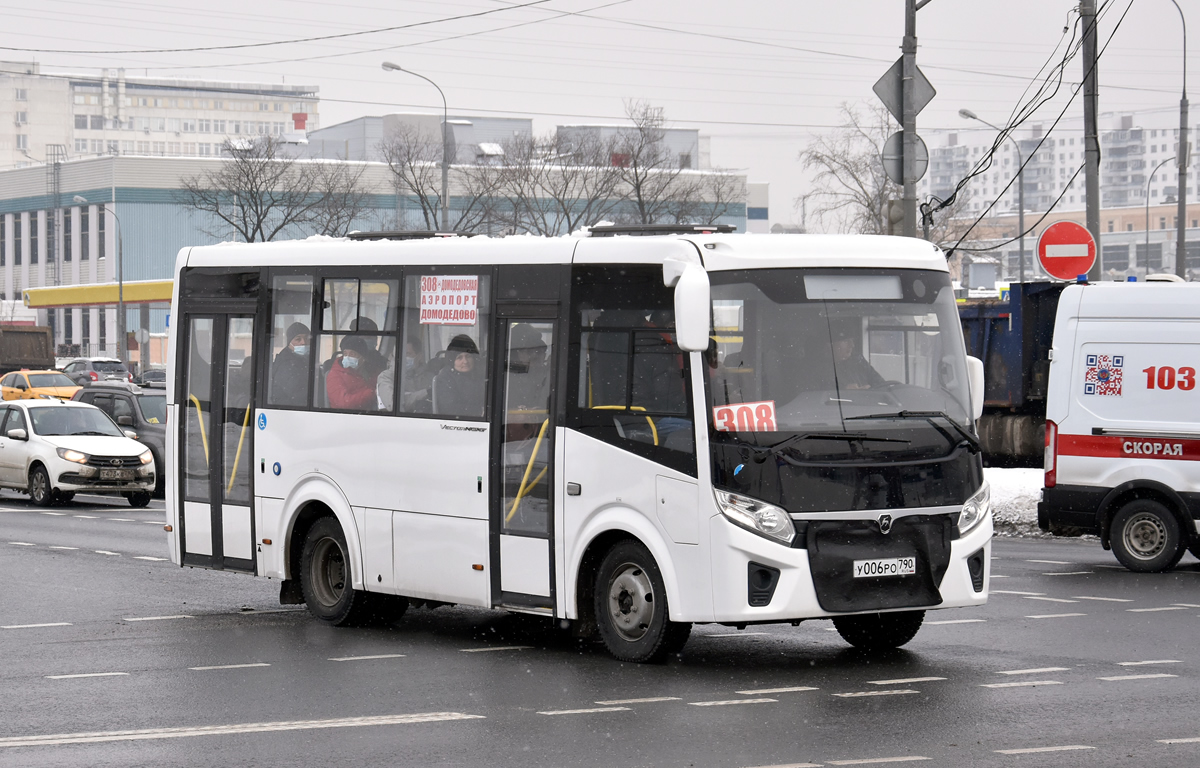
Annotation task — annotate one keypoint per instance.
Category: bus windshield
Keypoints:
(836, 366)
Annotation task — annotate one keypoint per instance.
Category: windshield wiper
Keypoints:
(762, 452)
(102, 434)
(971, 440)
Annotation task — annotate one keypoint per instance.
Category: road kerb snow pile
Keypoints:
(1015, 495)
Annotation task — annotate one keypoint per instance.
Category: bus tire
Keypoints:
(1146, 537)
(325, 578)
(879, 631)
(632, 614)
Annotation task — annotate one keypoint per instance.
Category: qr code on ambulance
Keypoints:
(1103, 375)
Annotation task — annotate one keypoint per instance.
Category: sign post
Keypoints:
(1066, 250)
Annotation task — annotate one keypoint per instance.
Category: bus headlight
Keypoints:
(975, 509)
(756, 516)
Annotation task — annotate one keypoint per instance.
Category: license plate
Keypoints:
(116, 474)
(888, 566)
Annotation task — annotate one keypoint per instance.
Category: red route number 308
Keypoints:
(745, 417)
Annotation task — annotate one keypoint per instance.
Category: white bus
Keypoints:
(630, 434)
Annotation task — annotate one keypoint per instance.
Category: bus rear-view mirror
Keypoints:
(692, 306)
(975, 383)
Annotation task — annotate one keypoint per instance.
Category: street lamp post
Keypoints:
(969, 115)
(1148, 180)
(1182, 156)
(389, 66)
(121, 351)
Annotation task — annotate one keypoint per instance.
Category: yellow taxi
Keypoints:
(30, 385)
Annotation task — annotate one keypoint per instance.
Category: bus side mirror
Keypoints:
(975, 384)
(693, 304)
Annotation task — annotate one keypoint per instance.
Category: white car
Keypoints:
(52, 449)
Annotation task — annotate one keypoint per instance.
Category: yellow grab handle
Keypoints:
(203, 433)
(242, 438)
(528, 468)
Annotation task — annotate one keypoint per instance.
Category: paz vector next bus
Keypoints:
(628, 433)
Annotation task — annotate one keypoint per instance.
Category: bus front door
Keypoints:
(523, 451)
(216, 442)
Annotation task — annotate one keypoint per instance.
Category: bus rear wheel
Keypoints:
(325, 581)
(879, 631)
(632, 614)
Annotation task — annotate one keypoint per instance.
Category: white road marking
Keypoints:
(874, 760)
(1189, 740)
(647, 700)
(1021, 684)
(147, 557)
(1051, 599)
(1156, 610)
(1104, 599)
(1033, 671)
(1050, 562)
(736, 634)
(106, 552)
(230, 666)
(122, 519)
(953, 621)
(770, 691)
(55, 514)
(1068, 573)
(496, 648)
(160, 618)
(74, 549)
(584, 711)
(1144, 663)
(22, 544)
(1054, 615)
(369, 658)
(1032, 750)
(1119, 678)
(1186, 605)
(220, 730)
(731, 701)
(153, 522)
(999, 576)
(35, 626)
(791, 765)
(87, 517)
(905, 681)
(1011, 592)
(87, 674)
(857, 694)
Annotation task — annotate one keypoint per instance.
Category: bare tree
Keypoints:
(256, 194)
(850, 188)
(414, 158)
(704, 197)
(648, 171)
(552, 186)
(342, 198)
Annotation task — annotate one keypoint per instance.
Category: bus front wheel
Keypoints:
(325, 581)
(632, 614)
(879, 631)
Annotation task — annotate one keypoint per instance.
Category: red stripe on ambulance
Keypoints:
(1118, 446)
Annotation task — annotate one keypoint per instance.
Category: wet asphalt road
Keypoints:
(1073, 655)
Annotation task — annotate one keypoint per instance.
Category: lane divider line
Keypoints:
(1104, 599)
(1013, 592)
(1069, 573)
(1050, 599)
(152, 559)
(22, 544)
(1039, 671)
(1022, 684)
(584, 711)
(220, 730)
(230, 666)
(1189, 740)
(647, 700)
(1055, 615)
(496, 648)
(87, 674)
(770, 691)
(1034, 750)
(906, 681)
(106, 552)
(1156, 610)
(858, 694)
(878, 760)
(1050, 562)
(74, 549)
(35, 626)
(55, 514)
(953, 621)
(1144, 663)
(369, 658)
(1119, 678)
(159, 618)
(729, 702)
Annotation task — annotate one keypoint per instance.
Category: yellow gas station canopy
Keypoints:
(135, 292)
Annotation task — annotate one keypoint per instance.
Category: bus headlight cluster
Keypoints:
(756, 516)
(975, 509)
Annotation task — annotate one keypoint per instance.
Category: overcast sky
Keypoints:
(758, 76)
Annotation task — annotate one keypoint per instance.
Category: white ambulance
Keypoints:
(1123, 421)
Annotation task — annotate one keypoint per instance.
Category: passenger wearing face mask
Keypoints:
(289, 371)
(351, 383)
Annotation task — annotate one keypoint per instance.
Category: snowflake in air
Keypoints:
(1103, 375)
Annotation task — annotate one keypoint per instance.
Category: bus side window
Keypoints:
(291, 340)
(444, 365)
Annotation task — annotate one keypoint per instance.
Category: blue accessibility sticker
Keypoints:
(738, 468)
(262, 421)
(276, 468)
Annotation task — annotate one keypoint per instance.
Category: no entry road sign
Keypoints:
(1066, 250)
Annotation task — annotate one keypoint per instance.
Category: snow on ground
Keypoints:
(1015, 495)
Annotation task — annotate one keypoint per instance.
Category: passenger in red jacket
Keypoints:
(350, 385)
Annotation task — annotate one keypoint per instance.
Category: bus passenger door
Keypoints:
(216, 441)
(523, 462)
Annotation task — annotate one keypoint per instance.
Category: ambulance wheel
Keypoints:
(1146, 537)
(631, 606)
(325, 579)
(879, 631)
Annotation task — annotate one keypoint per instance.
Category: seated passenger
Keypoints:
(349, 384)
(853, 371)
(289, 371)
(458, 390)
